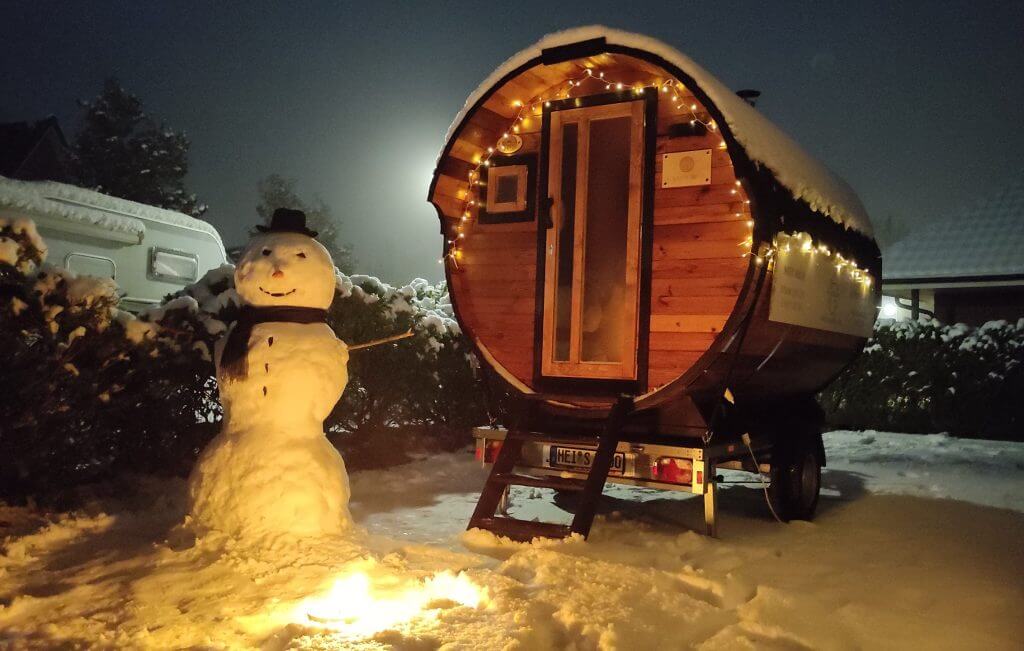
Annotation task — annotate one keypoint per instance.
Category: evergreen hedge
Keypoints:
(90, 392)
(927, 377)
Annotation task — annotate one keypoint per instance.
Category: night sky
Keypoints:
(919, 106)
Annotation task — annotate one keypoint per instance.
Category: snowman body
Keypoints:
(271, 470)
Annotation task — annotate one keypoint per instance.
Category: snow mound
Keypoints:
(873, 571)
(803, 175)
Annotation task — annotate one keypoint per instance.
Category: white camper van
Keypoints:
(149, 251)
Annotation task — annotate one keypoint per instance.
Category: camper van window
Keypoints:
(173, 266)
(87, 264)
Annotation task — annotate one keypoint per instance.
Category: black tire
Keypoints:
(796, 478)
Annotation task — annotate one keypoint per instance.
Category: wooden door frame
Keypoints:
(599, 386)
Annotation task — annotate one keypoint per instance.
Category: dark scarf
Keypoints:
(233, 362)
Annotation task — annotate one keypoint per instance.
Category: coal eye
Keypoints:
(266, 251)
(301, 254)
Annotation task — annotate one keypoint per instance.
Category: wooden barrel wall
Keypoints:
(699, 262)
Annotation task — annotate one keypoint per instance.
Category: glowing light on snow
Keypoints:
(889, 310)
(359, 605)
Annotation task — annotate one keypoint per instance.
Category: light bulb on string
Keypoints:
(539, 102)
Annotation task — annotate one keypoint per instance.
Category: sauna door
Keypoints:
(592, 249)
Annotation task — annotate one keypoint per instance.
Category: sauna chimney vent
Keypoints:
(749, 95)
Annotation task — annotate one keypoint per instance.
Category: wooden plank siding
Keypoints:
(697, 265)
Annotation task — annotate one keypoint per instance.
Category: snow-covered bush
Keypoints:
(21, 249)
(927, 377)
(88, 390)
(426, 384)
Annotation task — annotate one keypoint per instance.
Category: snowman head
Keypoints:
(285, 268)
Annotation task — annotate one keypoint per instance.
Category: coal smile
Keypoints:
(278, 294)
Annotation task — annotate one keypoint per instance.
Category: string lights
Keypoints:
(803, 243)
(670, 88)
(535, 106)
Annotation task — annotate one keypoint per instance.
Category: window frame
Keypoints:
(629, 366)
(523, 209)
(153, 274)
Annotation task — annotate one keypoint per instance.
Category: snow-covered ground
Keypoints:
(917, 544)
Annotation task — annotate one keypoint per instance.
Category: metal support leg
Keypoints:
(711, 505)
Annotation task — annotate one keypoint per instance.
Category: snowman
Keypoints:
(271, 471)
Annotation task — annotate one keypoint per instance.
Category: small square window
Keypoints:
(506, 189)
(508, 192)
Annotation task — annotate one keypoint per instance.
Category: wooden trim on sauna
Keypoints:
(643, 341)
(578, 50)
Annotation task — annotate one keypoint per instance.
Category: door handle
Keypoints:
(547, 203)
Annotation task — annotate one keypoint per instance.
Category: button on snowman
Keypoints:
(281, 370)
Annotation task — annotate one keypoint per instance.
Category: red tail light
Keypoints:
(487, 452)
(672, 470)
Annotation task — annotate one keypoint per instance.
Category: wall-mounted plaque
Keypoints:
(681, 169)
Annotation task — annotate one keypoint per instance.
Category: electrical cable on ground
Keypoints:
(764, 485)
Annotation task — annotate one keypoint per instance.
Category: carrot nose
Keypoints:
(277, 274)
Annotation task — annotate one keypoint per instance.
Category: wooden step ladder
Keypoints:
(503, 475)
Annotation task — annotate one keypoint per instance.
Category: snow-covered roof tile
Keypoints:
(799, 172)
(986, 239)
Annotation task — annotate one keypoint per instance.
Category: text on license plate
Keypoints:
(582, 458)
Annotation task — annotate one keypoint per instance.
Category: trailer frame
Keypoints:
(640, 454)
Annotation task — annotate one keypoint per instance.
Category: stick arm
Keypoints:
(378, 342)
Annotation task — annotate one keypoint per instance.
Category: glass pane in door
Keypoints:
(604, 269)
(566, 233)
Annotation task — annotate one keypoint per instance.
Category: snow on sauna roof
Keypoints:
(799, 172)
(984, 241)
(91, 207)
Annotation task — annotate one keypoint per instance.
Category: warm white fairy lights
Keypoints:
(534, 107)
(803, 243)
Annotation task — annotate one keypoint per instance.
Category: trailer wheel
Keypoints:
(796, 479)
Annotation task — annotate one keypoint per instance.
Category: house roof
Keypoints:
(800, 173)
(983, 242)
(19, 139)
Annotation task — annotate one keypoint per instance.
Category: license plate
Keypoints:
(582, 459)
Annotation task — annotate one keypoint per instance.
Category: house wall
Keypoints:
(893, 310)
(47, 161)
(976, 305)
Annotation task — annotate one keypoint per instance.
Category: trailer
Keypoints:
(658, 276)
(149, 251)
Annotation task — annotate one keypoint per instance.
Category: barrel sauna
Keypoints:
(618, 222)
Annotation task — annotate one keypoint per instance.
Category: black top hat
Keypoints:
(287, 220)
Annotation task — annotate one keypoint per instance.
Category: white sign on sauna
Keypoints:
(681, 169)
(808, 290)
